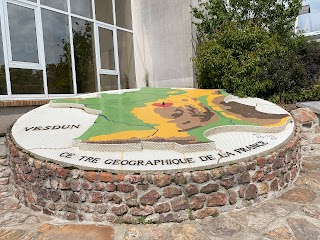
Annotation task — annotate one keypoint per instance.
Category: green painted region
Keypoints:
(163, 114)
(223, 92)
(198, 133)
(116, 110)
(222, 121)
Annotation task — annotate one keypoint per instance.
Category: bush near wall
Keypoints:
(253, 56)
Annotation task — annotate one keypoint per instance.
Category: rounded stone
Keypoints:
(200, 176)
(206, 212)
(126, 188)
(197, 202)
(179, 203)
(217, 172)
(74, 197)
(96, 197)
(216, 199)
(244, 178)
(251, 192)
(120, 210)
(258, 176)
(227, 182)
(170, 192)
(141, 211)
(209, 188)
(263, 188)
(232, 197)
(191, 190)
(150, 198)
(162, 180)
(90, 176)
(106, 177)
(162, 208)
(180, 179)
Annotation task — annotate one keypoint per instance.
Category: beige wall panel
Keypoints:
(163, 42)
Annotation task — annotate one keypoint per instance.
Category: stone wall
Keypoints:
(5, 187)
(310, 136)
(80, 195)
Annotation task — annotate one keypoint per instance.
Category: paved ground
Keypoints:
(313, 105)
(8, 115)
(293, 215)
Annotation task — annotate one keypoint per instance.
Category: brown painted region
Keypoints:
(248, 113)
(115, 141)
(181, 140)
(217, 92)
(188, 118)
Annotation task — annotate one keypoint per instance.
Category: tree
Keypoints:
(275, 16)
(249, 48)
(60, 74)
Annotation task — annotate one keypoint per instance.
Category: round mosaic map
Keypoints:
(153, 130)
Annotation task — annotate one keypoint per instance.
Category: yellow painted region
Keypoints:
(191, 96)
(172, 92)
(196, 93)
(126, 135)
(165, 128)
(281, 123)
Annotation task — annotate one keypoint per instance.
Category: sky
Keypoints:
(310, 22)
(314, 5)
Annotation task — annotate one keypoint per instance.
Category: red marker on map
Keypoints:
(163, 104)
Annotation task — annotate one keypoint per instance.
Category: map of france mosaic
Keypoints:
(166, 115)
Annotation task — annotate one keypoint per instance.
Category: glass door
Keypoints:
(107, 58)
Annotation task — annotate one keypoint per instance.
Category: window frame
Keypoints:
(40, 47)
(37, 7)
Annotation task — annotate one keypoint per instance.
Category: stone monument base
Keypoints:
(102, 196)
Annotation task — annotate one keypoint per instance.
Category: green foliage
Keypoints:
(190, 213)
(143, 220)
(83, 41)
(215, 215)
(276, 17)
(248, 48)
(3, 83)
(19, 84)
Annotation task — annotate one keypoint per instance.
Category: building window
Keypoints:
(65, 47)
(26, 81)
(126, 59)
(83, 41)
(104, 11)
(3, 84)
(308, 21)
(106, 49)
(23, 36)
(108, 82)
(57, 52)
(58, 4)
(82, 8)
(123, 12)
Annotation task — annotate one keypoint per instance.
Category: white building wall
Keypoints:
(163, 42)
